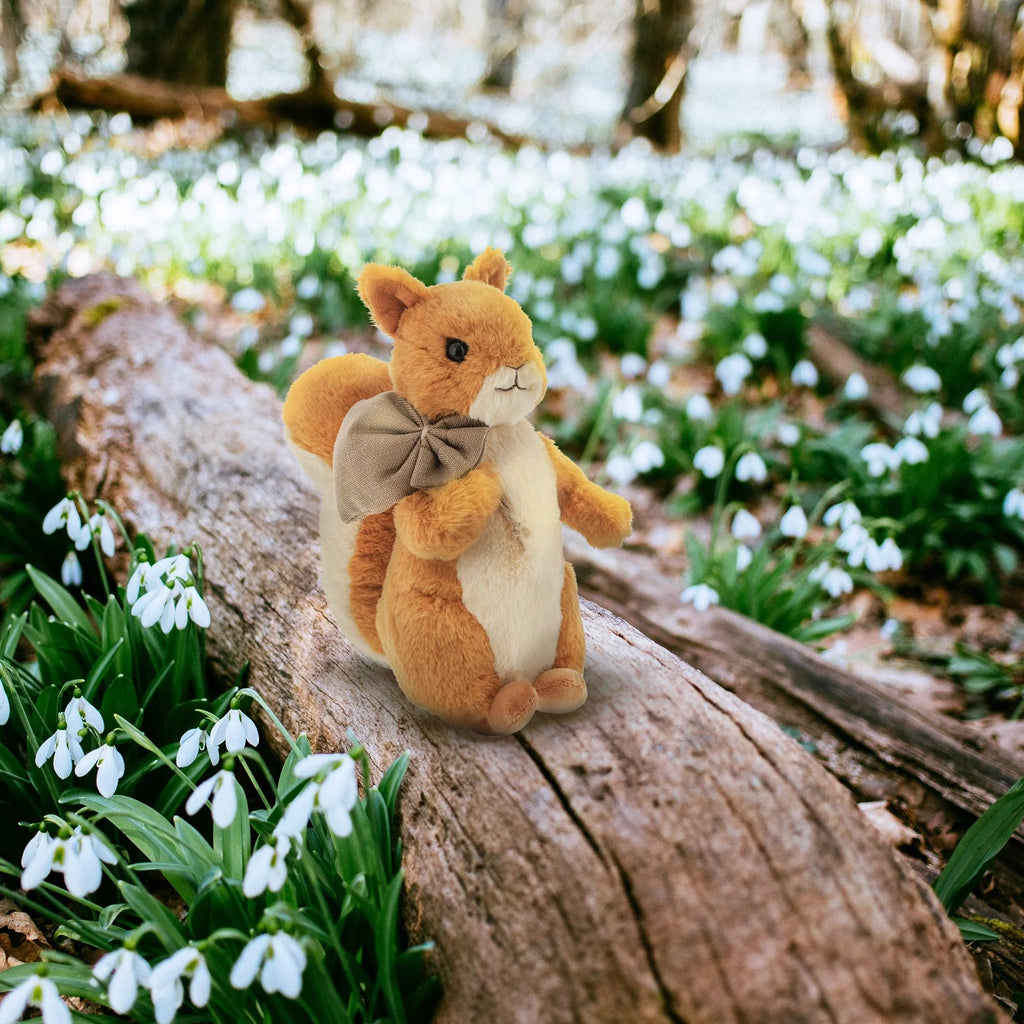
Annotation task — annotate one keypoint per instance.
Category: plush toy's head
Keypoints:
(464, 347)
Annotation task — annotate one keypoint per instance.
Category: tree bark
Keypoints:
(12, 32)
(666, 854)
(505, 20)
(658, 71)
(186, 41)
(313, 110)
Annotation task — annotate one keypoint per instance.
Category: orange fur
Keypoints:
(367, 569)
(319, 399)
(604, 519)
(491, 267)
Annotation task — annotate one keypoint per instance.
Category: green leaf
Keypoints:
(979, 846)
(973, 931)
(64, 606)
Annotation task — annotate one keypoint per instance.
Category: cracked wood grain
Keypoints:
(666, 854)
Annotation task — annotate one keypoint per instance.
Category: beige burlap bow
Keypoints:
(386, 450)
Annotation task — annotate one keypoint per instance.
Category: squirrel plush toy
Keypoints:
(439, 522)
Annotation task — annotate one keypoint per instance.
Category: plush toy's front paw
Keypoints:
(560, 690)
(605, 519)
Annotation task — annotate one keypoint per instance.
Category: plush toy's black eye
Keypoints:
(456, 350)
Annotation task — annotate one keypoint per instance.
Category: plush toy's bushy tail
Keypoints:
(319, 399)
(355, 556)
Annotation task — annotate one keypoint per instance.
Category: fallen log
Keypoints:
(666, 854)
(315, 109)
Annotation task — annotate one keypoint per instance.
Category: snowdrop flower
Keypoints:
(190, 744)
(5, 703)
(628, 404)
(80, 714)
(63, 514)
(333, 792)
(745, 526)
(1013, 505)
(647, 456)
(1010, 377)
(732, 371)
(911, 451)
(234, 730)
(924, 422)
(278, 959)
(856, 387)
(975, 400)
(79, 856)
(63, 746)
(805, 374)
(985, 421)
(139, 581)
(882, 557)
(191, 606)
(125, 972)
(221, 787)
(165, 983)
(698, 408)
(836, 581)
(755, 346)
(157, 605)
(632, 365)
(12, 438)
(71, 569)
(845, 514)
(98, 526)
(854, 541)
(879, 457)
(266, 870)
(620, 469)
(38, 991)
(922, 379)
(744, 556)
(751, 467)
(109, 766)
(701, 596)
(709, 460)
(788, 434)
(794, 523)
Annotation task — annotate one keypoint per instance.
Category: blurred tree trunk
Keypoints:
(983, 47)
(299, 14)
(658, 78)
(505, 20)
(184, 41)
(12, 31)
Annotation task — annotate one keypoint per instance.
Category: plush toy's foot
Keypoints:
(513, 706)
(560, 690)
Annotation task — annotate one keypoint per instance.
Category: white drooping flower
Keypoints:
(1013, 505)
(332, 791)
(646, 456)
(788, 434)
(879, 457)
(63, 515)
(911, 451)
(794, 523)
(698, 408)
(975, 400)
(234, 730)
(109, 766)
(79, 857)
(856, 387)
(805, 374)
(620, 469)
(39, 992)
(844, 514)
(882, 557)
(854, 541)
(922, 379)
(744, 556)
(221, 788)
(165, 593)
(278, 959)
(701, 596)
(166, 983)
(745, 526)
(751, 467)
(732, 371)
(191, 742)
(12, 438)
(124, 971)
(628, 404)
(984, 422)
(80, 714)
(632, 365)
(924, 422)
(836, 581)
(71, 570)
(5, 704)
(64, 747)
(755, 346)
(98, 526)
(267, 870)
(709, 460)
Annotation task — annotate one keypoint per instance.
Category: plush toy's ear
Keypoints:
(491, 267)
(388, 292)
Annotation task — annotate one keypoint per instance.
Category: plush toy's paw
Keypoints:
(513, 706)
(605, 519)
(560, 690)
